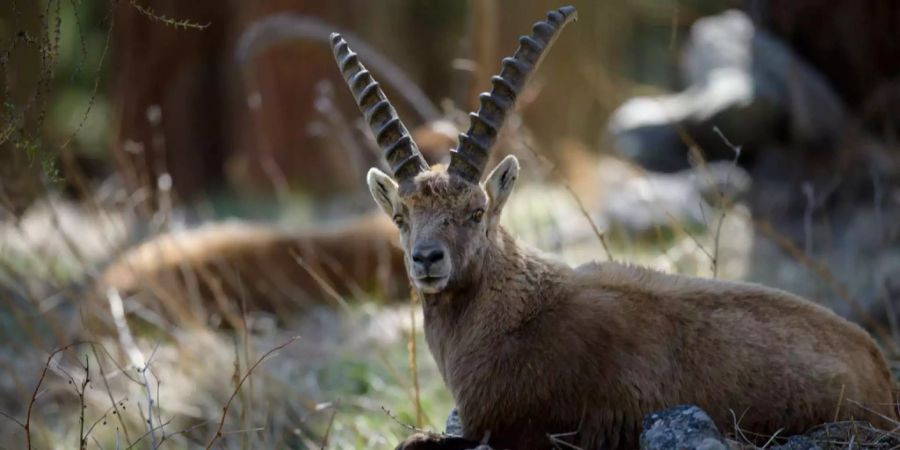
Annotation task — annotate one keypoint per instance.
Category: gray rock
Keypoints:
(741, 79)
(798, 443)
(685, 427)
(454, 424)
(649, 203)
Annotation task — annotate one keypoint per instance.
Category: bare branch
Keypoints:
(170, 21)
(37, 388)
(241, 383)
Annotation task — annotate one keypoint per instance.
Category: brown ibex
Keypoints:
(230, 266)
(531, 348)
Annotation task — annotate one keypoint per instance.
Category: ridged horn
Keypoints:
(470, 157)
(401, 152)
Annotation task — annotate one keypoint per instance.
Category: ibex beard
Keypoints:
(531, 348)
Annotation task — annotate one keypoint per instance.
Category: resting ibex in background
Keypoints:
(257, 267)
(530, 347)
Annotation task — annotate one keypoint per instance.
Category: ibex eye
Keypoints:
(477, 215)
(398, 219)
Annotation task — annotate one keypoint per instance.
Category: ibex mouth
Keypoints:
(431, 284)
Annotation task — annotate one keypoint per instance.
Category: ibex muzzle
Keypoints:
(430, 267)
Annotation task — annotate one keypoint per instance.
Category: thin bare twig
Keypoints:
(320, 279)
(888, 299)
(82, 438)
(241, 383)
(114, 405)
(772, 439)
(722, 206)
(19, 423)
(170, 21)
(825, 274)
(413, 365)
(401, 423)
(136, 358)
(146, 433)
(601, 236)
(675, 223)
(101, 419)
(871, 411)
(837, 410)
(145, 384)
(328, 429)
(37, 388)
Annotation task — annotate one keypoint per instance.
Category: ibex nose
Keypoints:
(428, 254)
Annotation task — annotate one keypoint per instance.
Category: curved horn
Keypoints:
(401, 152)
(468, 160)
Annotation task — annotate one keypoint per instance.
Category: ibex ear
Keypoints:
(383, 189)
(500, 182)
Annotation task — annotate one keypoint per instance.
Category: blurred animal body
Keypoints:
(224, 265)
(536, 352)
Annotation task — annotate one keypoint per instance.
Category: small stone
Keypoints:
(685, 427)
(798, 443)
(454, 424)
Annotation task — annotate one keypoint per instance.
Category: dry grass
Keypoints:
(331, 388)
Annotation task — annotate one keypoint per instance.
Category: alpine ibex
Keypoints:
(531, 348)
(230, 266)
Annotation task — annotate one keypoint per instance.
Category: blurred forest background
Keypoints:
(182, 193)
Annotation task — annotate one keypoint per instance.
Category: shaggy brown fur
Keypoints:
(223, 263)
(531, 347)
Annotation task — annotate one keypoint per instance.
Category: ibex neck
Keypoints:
(513, 282)
(513, 287)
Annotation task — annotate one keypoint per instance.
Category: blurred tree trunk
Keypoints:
(22, 103)
(278, 89)
(170, 96)
(282, 82)
(185, 107)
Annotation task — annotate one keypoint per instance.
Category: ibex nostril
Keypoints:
(435, 256)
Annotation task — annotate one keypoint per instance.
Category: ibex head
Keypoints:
(446, 216)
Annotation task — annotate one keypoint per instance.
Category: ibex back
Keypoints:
(530, 347)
